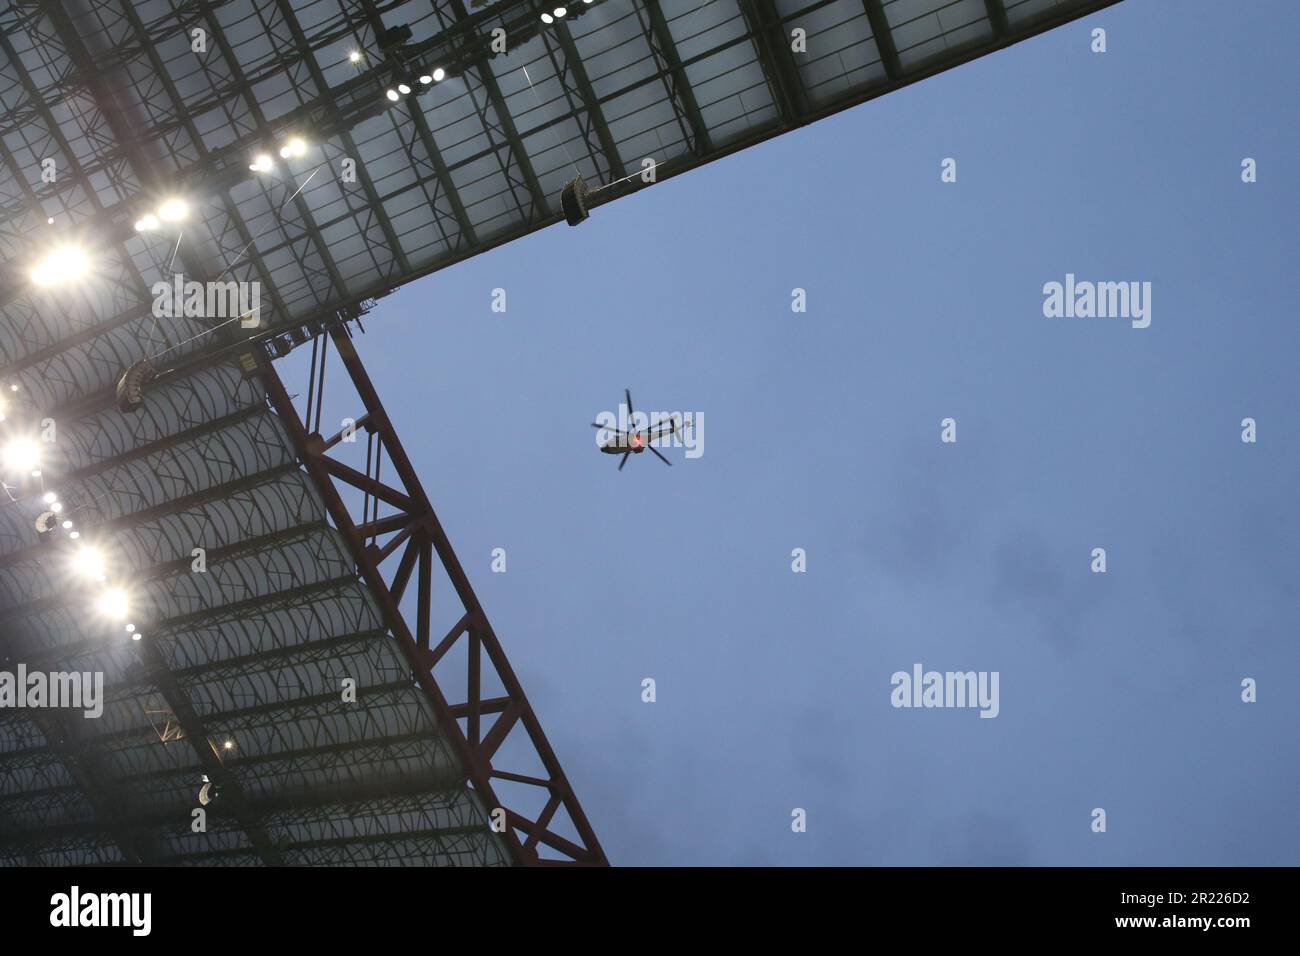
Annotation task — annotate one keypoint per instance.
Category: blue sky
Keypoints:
(1119, 691)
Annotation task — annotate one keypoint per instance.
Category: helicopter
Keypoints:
(634, 442)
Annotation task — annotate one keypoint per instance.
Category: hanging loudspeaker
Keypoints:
(46, 523)
(130, 388)
(574, 200)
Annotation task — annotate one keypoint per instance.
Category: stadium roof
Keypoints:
(108, 110)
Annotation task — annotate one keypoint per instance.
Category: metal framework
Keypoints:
(411, 528)
(321, 566)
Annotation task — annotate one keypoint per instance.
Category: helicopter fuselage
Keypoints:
(635, 444)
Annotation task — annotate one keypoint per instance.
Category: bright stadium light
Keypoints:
(426, 78)
(560, 12)
(89, 563)
(392, 95)
(22, 455)
(114, 603)
(403, 88)
(295, 147)
(173, 210)
(547, 18)
(147, 224)
(62, 265)
(262, 164)
(354, 56)
(438, 74)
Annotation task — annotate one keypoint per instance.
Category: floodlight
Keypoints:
(89, 563)
(62, 265)
(22, 454)
(173, 210)
(114, 603)
(392, 95)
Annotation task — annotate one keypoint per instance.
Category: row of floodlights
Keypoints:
(173, 210)
(438, 75)
(403, 89)
(113, 602)
(558, 13)
(87, 562)
(295, 148)
(70, 263)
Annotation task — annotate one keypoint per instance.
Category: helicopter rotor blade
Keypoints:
(608, 428)
(627, 393)
(667, 426)
(623, 461)
(659, 456)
